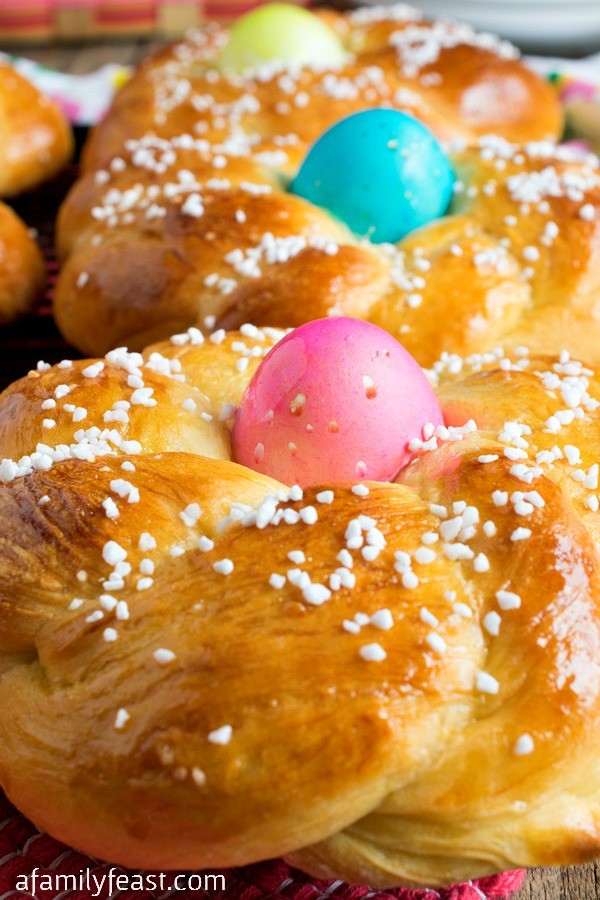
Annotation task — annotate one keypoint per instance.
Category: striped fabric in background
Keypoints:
(45, 21)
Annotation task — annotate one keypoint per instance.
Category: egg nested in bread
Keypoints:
(183, 215)
(384, 682)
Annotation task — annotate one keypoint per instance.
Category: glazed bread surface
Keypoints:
(391, 683)
(22, 271)
(35, 142)
(183, 218)
(35, 137)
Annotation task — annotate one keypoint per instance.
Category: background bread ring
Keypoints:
(185, 184)
(35, 138)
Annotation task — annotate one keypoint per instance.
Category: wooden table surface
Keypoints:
(573, 883)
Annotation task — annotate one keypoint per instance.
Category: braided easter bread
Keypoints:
(388, 682)
(35, 142)
(36, 139)
(182, 217)
(22, 272)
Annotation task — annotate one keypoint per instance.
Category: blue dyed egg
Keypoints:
(380, 171)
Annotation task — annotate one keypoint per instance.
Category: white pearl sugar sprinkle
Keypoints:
(524, 745)
(163, 656)
(221, 735)
(372, 653)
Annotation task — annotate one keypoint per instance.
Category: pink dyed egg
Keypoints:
(336, 400)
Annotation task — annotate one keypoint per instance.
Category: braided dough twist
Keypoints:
(175, 693)
(182, 217)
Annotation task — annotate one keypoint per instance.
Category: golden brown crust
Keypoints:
(459, 83)
(53, 406)
(223, 659)
(35, 142)
(183, 215)
(502, 269)
(468, 748)
(36, 139)
(22, 271)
